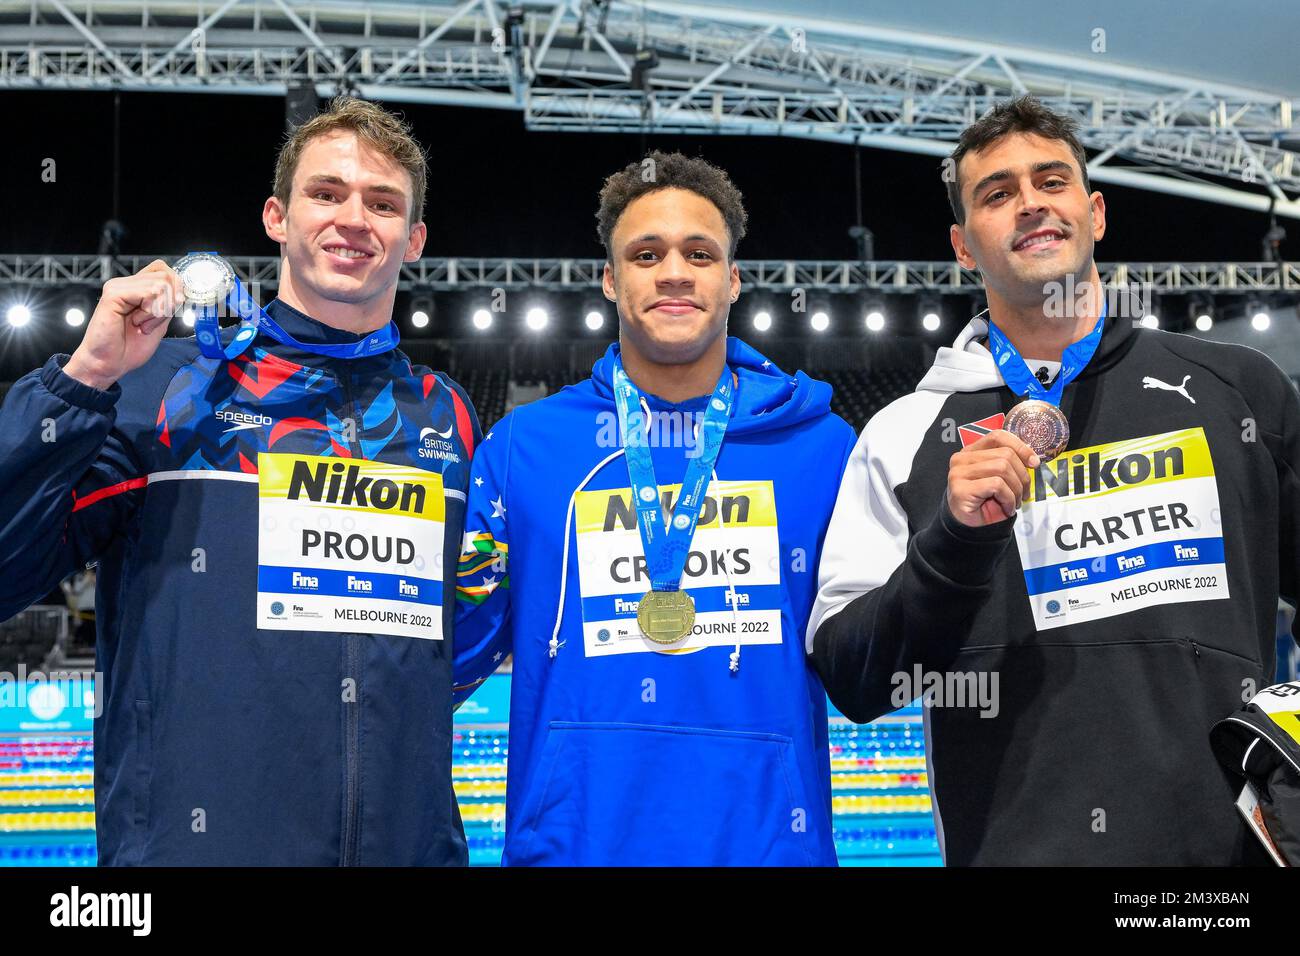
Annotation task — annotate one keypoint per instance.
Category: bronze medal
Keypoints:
(1040, 425)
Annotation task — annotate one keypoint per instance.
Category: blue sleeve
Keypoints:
(71, 481)
(482, 629)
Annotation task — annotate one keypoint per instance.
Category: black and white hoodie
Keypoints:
(1076, 655)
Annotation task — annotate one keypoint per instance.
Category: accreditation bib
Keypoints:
(1112, 528)
(613, 575)
(346, 544)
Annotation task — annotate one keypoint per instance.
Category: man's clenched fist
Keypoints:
(988, 479)
(129, 322)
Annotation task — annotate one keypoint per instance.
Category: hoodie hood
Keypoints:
(766, 397)
(968, 366)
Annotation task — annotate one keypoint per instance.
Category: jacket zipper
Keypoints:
(352, 668)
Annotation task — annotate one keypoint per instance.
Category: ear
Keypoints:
(1098, 216)
(415, 242)
(735, 282)
(607, 282)
(957, 236)
(273, 218)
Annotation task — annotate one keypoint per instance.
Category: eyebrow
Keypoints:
(385, 188)
(1049, 165)
(655, 237)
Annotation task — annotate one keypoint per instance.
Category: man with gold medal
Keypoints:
(652, 580)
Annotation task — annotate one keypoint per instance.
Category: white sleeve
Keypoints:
(868, 533)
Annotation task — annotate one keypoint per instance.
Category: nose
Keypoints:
(1032, 204)
(674, 271)
(352, 213)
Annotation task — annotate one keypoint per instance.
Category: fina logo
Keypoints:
(681, 521)
(277, 608)
(647, 493)
(1053, 607)
(205, 338)
(719, 404)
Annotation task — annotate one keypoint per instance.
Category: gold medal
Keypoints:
(1040, 425)
(665, 617)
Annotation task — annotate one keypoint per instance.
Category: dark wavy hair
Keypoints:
(1024, 114)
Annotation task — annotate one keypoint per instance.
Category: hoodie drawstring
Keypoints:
(555, 644)
(733, 662)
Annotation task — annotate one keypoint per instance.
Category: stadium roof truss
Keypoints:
(621, 66)
(59, 272)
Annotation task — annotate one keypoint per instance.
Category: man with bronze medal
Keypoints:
(1068, 543)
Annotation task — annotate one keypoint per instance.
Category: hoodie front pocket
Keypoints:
(619, 794)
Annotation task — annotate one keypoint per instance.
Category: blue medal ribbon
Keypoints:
(666, 548)
(254, 318)
(1015, 372)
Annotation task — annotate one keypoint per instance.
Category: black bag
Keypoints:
(1261, 742)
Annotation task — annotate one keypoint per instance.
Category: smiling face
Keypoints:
(1029, 221)
(345, 233)
(670, 276)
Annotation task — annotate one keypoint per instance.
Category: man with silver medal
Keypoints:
(223, 660)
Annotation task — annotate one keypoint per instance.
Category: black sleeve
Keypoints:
(919, 615)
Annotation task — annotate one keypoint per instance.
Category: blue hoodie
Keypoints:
(713, 752)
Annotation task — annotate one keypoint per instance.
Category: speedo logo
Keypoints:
(342, 484)
(239, 421)
(1081, 474)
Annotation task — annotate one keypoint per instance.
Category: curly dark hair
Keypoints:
(1024, 114)
(670, 171)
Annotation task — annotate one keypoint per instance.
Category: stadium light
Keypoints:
(1151, 321)
(1204, 322)
(1260, 321)
(188, 317)
(536, 319)
(762, 321)
(875, 320)
(820, 321)
(18, 315)
(75, 317)
(482, 320)
(930, 322)
(595, 320)
(421, 311)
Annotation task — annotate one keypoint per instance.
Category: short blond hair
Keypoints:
(384, 132)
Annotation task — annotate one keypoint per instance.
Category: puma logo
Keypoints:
(1150, 382)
